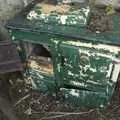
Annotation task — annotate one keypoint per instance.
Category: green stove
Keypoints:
(60, 55)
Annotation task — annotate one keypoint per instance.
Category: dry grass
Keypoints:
(47, 8)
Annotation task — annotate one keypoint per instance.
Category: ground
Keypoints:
(33, 105)
(40, 106)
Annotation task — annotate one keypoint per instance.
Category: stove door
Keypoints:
(88, 68)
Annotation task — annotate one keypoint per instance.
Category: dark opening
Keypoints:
(40, 58)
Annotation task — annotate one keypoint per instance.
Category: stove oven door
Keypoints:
(89, 67)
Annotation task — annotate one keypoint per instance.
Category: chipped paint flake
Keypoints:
(58, 67)
(85, 68)
(70, 73)
(103, 69)
(94, 70)
(63, 19)
(74, 93)
(82, 74)
(100, 55)
(93, 82)
(55, 41)
(78, 83)
(32, 82)
(101, 105)
(40, 76)
(32, 15)
(13, 37)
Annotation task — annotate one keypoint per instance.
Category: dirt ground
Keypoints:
(39, 106)
(34, 105)
(99, 21)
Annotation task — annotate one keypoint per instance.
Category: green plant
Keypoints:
(110, 9)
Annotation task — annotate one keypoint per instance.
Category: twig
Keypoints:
(64, 114)
(70, 113)
(19, 101)
(52, 117)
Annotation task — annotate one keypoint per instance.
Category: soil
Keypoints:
(39, 106)
(99, 21)
(33, 105)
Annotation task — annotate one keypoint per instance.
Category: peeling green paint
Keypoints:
(76, 17)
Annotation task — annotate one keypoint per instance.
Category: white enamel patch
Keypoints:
(74, 93)
(58, 67)
(110, 48)
(78, 83)
(116, 72)
(93, 82)
(109, 71)
(100, 55)
(13, 37)
(70, 73)
(63, 19)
